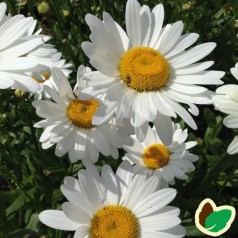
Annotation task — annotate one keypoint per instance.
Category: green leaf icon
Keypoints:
(217, 220)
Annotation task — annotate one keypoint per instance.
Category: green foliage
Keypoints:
(30, 177)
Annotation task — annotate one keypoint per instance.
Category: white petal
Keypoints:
(22, 48)
(185, 41)
(124, 175)
(5, 81)
(154, 202)
(101, 142)
(164, 128)
(233, 147)
(78, 198)
(231, 121)
(141, 131)
(62, 83)
(182, 113)
(57, 220)
(193, 55)
(161, 105)
(82, 232)
(75, 213)
(170, 37)
(110, 183)
(194, 68)
(132, 22)
(157, 22)
(115, 37)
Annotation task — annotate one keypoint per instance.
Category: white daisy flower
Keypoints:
(49, 58)
(148, 70)
(165, 156)
(115, 206)
(227, 102)
(69, 123)
(23, 53)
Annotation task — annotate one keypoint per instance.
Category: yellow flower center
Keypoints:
(81, 112)
(144, 69)
(156, 156)
(45, 75)
(114, 222)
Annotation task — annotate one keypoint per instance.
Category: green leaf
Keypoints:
(217, 220)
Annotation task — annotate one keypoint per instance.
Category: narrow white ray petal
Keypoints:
(92, 150)
(138, 179)
(98, 54)
(22, 63)
(233, 147)
(185, 88)
(197, 79)
(170, 38)
(80, 145)
(113, 33)
(145, 24)
(132, 22)
(145, 189)
(101, 142)
(225, 89)
(141, 131)
(157, 22)
(194, 68)
(14, 31)
(72, 182)
(184, 42)
(161, 105)
(154, 202)
(62, 83)
(65, 144)
(75, 213)
(161, 220)
(231, 121)
(3, 8)
(57, 220)
(124, 176)
(111, 185)
(22, 48)
(6, 81)
(182, 113)
(234, 72)
(82, 232)
(48, 109)
(60, 131)
(78, 198)
(189, 98)
(161, 122)
(90, 189)
(193, 55)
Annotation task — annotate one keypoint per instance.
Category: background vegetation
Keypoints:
(30, 177)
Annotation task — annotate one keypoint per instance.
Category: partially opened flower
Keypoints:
(148, 70)
(120, 205)
(227, 102)
(165, 156)
(69, 123)
(24, 54)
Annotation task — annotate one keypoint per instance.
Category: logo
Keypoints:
(213, 220)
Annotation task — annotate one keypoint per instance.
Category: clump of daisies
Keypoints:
(147, 69)
(25, 58)
(115, 205)
(143, 77)
(227, 101)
